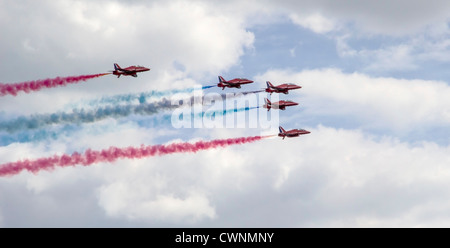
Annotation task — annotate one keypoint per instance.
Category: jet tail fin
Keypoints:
(269, 85)
(221, 80)
(116, 67)
(281, 129)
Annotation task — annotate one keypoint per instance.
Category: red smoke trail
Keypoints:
(13, 89)
(113, 153)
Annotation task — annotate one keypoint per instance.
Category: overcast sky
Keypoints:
(375, 96)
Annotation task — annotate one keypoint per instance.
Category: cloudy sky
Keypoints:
(375, 96)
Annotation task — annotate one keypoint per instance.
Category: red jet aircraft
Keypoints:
(282, 88)
(292, 133)
(129, 71)
(233, 83)
(278, 105)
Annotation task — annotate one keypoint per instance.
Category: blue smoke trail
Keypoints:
(207, 87)
(82, 116)
(54, 133)
(166, 119)
(209, 114)
(37, 135)
(88, 116)
(30, 136)
(143, 96)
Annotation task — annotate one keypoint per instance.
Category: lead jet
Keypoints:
(233, 83)
(129, 71)
(292, 133)
(282, 88)
(278, 105)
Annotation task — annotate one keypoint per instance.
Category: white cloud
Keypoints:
(398, 57)
(292, 52)
(316, 22)
(405, 55)
(159, 33)
(384, 17)
(338, 177)
(141, 200)
(413, 32)
(203, 41)
(436, 48)
(342, 177)
(331, 177)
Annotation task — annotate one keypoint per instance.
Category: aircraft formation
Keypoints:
(236, 83)
(281, 105)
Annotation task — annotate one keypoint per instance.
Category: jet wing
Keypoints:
(230, 83)
(128, 71)
(282, 87)
(278, 88)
